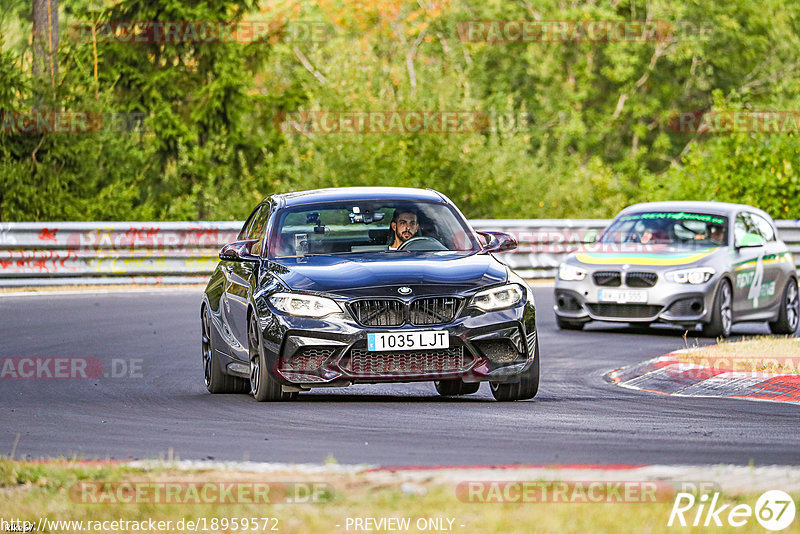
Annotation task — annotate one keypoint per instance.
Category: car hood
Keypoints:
(382, 274)
(656, 257)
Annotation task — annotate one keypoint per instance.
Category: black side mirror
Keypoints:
(498, 242)
(239, 251)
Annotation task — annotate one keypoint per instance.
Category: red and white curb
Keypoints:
(669, 376)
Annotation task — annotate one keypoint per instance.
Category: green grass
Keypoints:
(31, 490)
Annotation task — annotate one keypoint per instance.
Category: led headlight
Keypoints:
(570, 273)
(498, 298)
(304, 305)
(697, 275)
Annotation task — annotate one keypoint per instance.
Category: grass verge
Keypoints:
(34, 490)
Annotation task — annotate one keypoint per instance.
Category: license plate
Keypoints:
(622, 296)
(419, 340)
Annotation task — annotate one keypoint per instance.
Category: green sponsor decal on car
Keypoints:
(679, 216)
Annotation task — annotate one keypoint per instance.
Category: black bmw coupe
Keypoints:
(332, 287)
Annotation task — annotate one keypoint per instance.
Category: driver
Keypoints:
(716, 233)
(404, 226)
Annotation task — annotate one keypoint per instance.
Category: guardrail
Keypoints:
(65, 253)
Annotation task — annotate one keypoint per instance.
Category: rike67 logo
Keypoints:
(774, 511)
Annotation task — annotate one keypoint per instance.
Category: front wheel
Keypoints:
(526, 388)
(451, 388)
(262, 386)
(722, 313)
(216, 381)
(789, 312)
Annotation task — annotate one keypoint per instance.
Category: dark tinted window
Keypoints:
(258, 229)
(248, 225)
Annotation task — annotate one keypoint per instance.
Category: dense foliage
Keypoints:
(577, 128)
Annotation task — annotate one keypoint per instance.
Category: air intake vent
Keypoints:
(364, 364)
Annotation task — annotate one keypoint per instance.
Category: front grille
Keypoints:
(363, 363)
(436, 310)
(641, 279)
(378, 312)
(393, 312)
(308, 359)
(625, 311)
(607, 278)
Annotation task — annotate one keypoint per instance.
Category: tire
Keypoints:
(451, 388)
(566, 324)
(789, 314)
(215, 379)
(526, 388)
(722, 313)
(262, 386)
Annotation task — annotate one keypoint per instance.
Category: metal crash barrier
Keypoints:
(69, 253)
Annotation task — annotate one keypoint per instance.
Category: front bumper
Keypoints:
(667, 302)
(329, 352)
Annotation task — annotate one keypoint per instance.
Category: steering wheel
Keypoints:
(422, 243)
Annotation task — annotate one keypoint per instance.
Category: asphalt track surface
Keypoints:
(578, 417)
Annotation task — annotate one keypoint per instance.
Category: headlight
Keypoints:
(498, 298)
(698, 275)
(570, 273)
(304, 305)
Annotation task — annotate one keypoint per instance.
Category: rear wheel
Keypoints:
(789, 312)
(217, 381)
(566, 324)
(526, 388)
(722, 313)
(450, 388)
(262, 386)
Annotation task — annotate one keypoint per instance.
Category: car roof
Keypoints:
(720, 208)
(334, 194)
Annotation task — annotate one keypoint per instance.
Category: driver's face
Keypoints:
(405, 227)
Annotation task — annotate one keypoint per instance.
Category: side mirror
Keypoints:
(239, 251)
(498, 242)
(750, 240)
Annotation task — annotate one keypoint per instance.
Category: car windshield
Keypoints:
(369, 227)
(669, 228)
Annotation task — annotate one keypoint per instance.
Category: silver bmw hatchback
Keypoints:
(708, 264)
